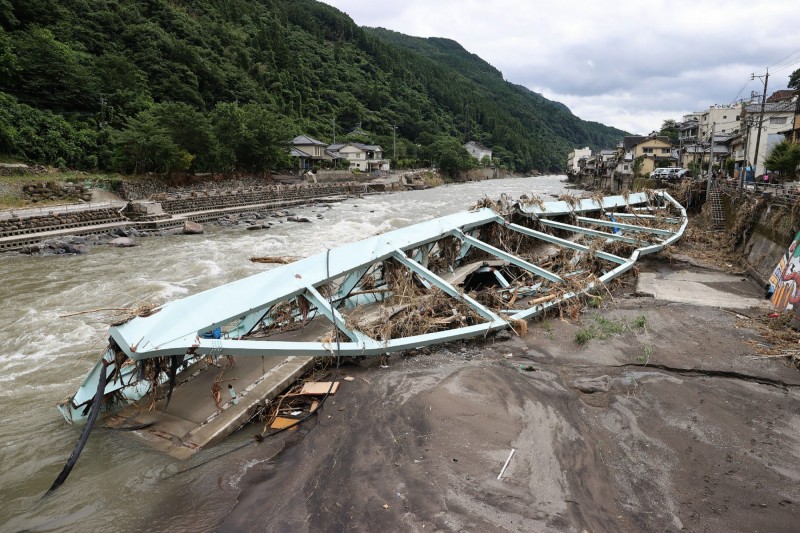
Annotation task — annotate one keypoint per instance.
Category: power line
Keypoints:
(785, 59)
(788, 65)
(741, 90)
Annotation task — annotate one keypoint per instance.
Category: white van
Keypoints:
(661, 173)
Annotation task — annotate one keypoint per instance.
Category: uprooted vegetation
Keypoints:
(604, 328)
(777, 338)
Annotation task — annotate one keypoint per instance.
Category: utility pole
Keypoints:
(334, 130)
(711, 160)
(748, 124)
(760, 119)
(394, 142)
(466, 123)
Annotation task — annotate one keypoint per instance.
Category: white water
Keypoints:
(119, 484)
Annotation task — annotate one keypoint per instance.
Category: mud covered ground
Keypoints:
(667, 427)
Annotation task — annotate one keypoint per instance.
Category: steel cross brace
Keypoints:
(335, 317)
(628, 227)
(592, 232)
(560, 242)
(446, 287)
(669, 220)
(521, 263)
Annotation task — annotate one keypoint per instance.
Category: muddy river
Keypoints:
(120, 484)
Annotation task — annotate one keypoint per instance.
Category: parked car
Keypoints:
(661, 173)
(681, 173)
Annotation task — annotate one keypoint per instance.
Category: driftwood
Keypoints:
(100, 310)
(274, 259)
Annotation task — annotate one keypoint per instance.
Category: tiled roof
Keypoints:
(772, 107)
(478, 145)
(783, 94)
(306, 140)
(632, 140)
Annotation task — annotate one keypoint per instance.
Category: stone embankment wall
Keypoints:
(183, 200)
(612, 184)
(21, 226)
(219, 199)
(761, 224)
(771, 235)
(159, 189)
(54, 190)
(483, 173)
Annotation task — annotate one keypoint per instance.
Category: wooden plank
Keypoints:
(281, 422)
(319, 388)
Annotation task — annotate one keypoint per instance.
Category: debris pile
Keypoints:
(778, 338)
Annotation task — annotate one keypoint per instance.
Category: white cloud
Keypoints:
(629, 64)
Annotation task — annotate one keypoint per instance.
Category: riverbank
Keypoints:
(393, 433)
(154, 206)
(669, 420)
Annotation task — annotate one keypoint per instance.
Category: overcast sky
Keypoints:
(623, 63)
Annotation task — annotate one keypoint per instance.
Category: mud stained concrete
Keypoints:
(665, 428)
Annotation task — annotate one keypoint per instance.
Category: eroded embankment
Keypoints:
(666, 423)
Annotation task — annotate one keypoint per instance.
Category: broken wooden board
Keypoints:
(319, 388)
(282, 423)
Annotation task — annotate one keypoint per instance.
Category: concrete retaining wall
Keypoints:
(21, 226)
(771, 235)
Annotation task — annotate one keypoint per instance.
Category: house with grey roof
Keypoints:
(308, 151)
(778, 117)
(364, 157)
(478, 151)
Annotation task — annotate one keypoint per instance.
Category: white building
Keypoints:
(478, 151)
(723, 118)
(778, 116)
(364, 157)
(574, 157)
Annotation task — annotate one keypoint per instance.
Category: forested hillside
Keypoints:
(221, 85)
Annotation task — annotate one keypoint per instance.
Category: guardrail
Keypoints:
(779, 193)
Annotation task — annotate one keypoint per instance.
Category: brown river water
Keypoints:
(119, 484)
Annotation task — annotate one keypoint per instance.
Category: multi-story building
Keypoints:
(573, 160)
(649, 149)
(690, 128)
(723, 119)
(778, 116)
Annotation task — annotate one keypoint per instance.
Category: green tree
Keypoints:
(44, 137)
(190, 131)
(638, 163)
(146, 145)
(7, 13)
(124, 88)
(794, 80)
(250, 137)
(263, 145)
(8, 59)
(228, 125)
(785, 158)
(671, 129)
(450, 157)
(50, 71)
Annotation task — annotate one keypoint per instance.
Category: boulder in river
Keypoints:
(122, 242)
(192, 228)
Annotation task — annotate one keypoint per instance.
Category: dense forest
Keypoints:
(222, 85)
